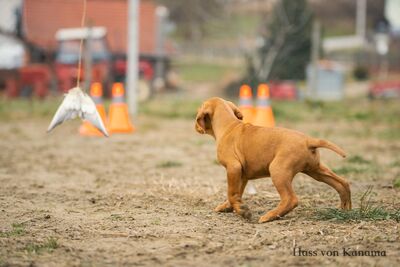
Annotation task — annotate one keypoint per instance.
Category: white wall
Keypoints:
(8, 17)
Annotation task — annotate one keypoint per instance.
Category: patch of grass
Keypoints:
(395, 163)
(347, 110)
(396, 183)
(314, 104)
(353, 110)
(390, 133)
(171, 108)
(169, 164)
(197, 71)
(356, 165)
(183, 106)
(357, 159)
(49, 246)
(366, 212)
(12, 109)
(360, 116)
(156, 221)
(199, 142)
(374, 214)
(149, 126)
(17, 230)
(289, 111)
(347, 169)
(116, 217)
(216, 162)
(315, 133)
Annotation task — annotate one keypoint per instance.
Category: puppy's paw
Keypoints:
(224, 207)
(245, 212)
(270, 216)
(346, 205)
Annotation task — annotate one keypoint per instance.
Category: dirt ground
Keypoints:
(147, 199)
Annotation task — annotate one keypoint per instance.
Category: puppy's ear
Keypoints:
(203, 119)
(236, 110)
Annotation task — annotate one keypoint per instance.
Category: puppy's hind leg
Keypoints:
(325, 175)
(282, 180)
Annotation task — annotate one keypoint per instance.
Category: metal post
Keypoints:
(361, 18)
(88, 59)
(315, 45)
(133, 55)
(161, 15)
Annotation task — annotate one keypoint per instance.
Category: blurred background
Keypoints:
(304, 49)
(333, 70)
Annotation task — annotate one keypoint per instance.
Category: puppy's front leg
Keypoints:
(234, 175)
(226, 206)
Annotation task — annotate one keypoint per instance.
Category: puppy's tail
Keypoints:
(314, 143)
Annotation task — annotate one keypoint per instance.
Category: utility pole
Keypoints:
(133, 55)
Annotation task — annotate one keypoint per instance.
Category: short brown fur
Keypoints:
(250, 152)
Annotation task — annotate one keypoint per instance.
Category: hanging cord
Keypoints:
(81, 45)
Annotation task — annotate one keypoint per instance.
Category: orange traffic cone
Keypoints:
(264, 116)
(246, 103)
(119, 121)
(96, 92)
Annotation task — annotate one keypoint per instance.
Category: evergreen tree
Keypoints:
(286, 44)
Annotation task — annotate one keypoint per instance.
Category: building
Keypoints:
(42, 18)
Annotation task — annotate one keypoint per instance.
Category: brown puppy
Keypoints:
(250, 152)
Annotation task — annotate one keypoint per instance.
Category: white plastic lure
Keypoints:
(77, 103)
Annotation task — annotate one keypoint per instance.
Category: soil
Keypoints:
(147, 199)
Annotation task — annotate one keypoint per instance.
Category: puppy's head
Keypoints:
(206, 113)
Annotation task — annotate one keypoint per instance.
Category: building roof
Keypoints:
(42, 19)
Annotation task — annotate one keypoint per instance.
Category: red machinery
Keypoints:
(283, 90)
(67, 56)
(385, 89)
(105, 68)
(33, 79)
